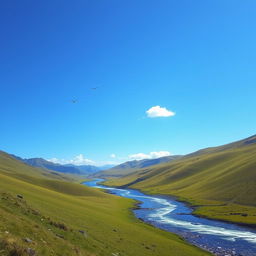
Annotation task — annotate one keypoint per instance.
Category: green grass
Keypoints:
(53, 211)
(221, 181)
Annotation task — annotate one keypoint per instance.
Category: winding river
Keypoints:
(220, 238)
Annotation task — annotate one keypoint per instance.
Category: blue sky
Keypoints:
(197, 59)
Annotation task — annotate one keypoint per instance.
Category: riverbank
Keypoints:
(63, 218)
(210, 235)
(228, 212)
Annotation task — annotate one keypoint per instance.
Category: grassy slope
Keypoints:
(221, 180)
(130, 167)
(112, 173)
(53, 211)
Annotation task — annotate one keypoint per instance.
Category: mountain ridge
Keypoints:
(68, 168)
(131, 166)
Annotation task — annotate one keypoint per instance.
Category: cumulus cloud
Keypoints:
(139, 156)
(151, 155)
(158, 111)
(77, 160)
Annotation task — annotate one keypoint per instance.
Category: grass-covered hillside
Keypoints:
(132, 166)
(221, 181)
(44, 213)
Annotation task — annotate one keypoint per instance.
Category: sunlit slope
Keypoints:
(220, 175)
(55, 217)
(11, 166)
(131, 167)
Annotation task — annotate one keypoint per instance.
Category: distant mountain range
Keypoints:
(105, 170)
(131, 166)
(68, 168)
(145, 162)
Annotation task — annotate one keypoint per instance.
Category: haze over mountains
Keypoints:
(105, 170)
(68, 168)
(131, 166)
(145, 162)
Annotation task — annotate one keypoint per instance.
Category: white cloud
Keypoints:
(158, 111)
(159, 154)
(54, 160)
(107, 163)
(139, 156)
(151, 155)
(113, 156)
(77, 160)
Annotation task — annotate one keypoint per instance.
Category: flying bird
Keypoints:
(74, 101)
(94, 88)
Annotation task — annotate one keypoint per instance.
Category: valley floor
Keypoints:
(36, 220)
(212, 209)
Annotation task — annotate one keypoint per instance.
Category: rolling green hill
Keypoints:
(220, 181)
(44, 213)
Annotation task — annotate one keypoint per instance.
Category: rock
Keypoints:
(83, 232)
(31, 252)
(60, 236)
(27, 240)
(35, 212)
(20, 196)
